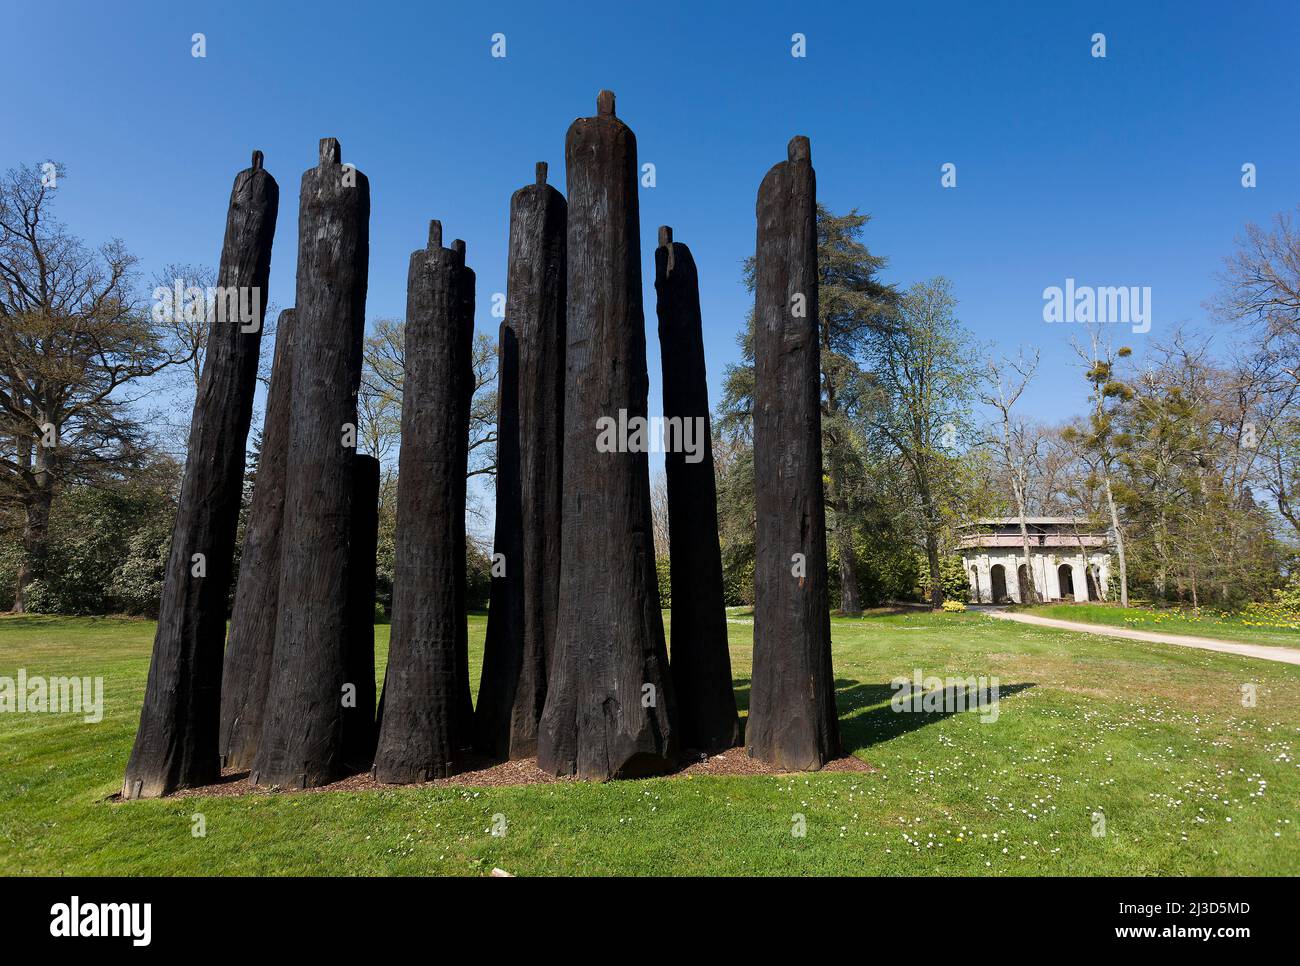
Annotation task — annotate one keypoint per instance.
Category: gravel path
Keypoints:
(1287, 655)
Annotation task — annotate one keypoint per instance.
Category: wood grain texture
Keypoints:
(792, 720)
(302, 732)
(176, 744)
(521, 619)
(359, 729)
(427, 719)
(609, 706)
(250, 642)
(701, 663)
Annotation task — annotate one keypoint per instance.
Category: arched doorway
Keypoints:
(975, 582)
(1065, 575)
(1092, 585)
(1022, 583)
(998, 578)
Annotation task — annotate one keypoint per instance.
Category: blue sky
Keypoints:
(1117, 171)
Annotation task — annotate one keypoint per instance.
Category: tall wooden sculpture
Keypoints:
(251, 640)
(302, 733)
(701, 664)
(176, 745)
(427, 718)
(609, 706)
(521, 619)
(792, 721)
(359, 731)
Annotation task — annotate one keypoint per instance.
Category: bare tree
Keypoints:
(1260, 289)
(1097, 436)
(1015, 444)
(74, 337)
(186, 333)
(659, 511)
(1078, 492)
(380, 402)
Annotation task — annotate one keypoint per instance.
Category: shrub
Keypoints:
(10, 557)
(95, 533)
(478, 575)
(952, 574)
(738, 579)
(665, 583)
(137, 583)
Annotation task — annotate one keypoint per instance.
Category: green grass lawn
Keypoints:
(1250, 627)
(1154, 737)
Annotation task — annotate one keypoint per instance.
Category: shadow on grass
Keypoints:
(10, 620)
(879, 721)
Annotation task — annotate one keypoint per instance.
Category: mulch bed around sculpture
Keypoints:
(485, 774)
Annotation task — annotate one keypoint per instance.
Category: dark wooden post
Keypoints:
(792, 721)
(176, 745)
(521, 630)
(251, 640)
(302, 731)
(701, 664)
(427, 722)
(359, 717)
(609, 706)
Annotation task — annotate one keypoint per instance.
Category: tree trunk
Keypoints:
(1024, 540)
(849, 601)
(610, 708)
(1119, 546)
(359, 717)
(937, 594)
(1162, 556)
(427, 722)
(302, 731)
(929, 516)
(176, 745)
(251, 641)
(516, 662)
(792, 718)
(36, 531)
(700, 661)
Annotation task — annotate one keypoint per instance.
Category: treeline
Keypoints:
(107, 545)
(1190, 458)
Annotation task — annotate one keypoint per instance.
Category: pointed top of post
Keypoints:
(257, 160)
(435, 235)
(330, 151)
(799, 149)
(665, 235)
(541, 172)
(605, 103)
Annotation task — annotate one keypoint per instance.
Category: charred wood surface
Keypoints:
(792, 719)
(251, 640)
(176, 744)
(427, 718)
(302, 733)
(701, 663)
(512, 689)
(609, 707)
(359, 718)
